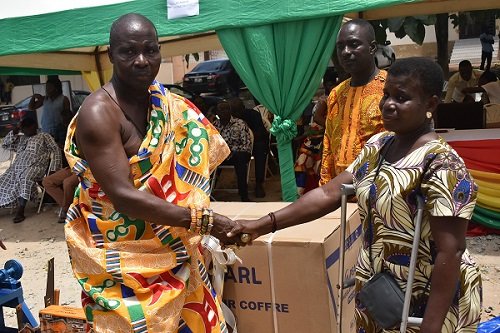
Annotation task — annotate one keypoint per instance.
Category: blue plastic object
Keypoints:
(11, 295)
(490, 326)
(10, 275)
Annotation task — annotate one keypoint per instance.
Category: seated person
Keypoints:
(238, 137)
(465, 78)
(33, 150)
(265, 114)
(308, 163)
(490, 87)
(260, 148)
(61, 187)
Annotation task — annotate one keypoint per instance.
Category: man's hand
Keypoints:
(222, 226)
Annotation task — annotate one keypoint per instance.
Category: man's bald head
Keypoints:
(366, 27)
(126, 21)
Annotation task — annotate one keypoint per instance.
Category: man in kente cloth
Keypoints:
(143, 157)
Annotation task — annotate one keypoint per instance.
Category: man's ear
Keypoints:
(373, 47)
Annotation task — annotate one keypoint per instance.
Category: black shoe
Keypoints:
(18, 219)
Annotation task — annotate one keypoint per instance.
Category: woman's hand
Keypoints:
(255, 228)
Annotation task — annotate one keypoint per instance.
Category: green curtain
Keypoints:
(282, 65)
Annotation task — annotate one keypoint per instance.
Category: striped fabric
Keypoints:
(139, 276)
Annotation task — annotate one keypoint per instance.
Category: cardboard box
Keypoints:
(58, 319)
(300, 266)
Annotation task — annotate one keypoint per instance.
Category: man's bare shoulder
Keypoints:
(97, 104)
(98, 111)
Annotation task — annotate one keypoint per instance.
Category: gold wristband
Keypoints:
(192, 226)
(199, 213)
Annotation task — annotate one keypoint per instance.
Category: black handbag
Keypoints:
(383, 299)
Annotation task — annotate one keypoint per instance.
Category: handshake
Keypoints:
(241, 232)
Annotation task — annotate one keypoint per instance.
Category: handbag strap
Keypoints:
(417, 191)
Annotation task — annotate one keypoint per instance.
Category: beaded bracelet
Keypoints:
(210, 221)
(273, 222)
(202, 221)
(194, 220)
(199, 216)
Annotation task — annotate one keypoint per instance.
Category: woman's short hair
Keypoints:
(428, 73)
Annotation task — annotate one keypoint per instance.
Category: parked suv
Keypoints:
(213, 76)
(10, 115)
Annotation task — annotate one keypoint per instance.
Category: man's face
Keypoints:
(465, 72)
(354, 49)
(135, 53)
(50, 89)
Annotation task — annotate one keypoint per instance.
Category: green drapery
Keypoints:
(282, 65)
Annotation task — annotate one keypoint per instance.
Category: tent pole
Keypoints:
(98, 66)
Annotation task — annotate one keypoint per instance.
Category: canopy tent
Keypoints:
(73, 36)
(260, 37)
(269, 39)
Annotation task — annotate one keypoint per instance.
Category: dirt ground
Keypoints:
(39, 238)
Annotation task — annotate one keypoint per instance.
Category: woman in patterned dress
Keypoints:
(447, 285)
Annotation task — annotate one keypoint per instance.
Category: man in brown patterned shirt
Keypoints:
(353, 112)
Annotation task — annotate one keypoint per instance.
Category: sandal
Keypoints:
(18, 218)
(61, 219)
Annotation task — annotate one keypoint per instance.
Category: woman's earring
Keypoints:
(428, 115)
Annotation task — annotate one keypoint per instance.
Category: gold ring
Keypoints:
(245, 238)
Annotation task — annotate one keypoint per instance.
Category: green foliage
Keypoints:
(411, 26)
(478, 16)
(196, 57)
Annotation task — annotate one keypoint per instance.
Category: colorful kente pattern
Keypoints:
(138, 276)
(449, 190)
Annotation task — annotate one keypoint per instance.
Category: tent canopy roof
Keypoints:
(76, 39)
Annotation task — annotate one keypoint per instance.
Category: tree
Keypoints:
(441, 30)
(196, 57)
(414, 27)
(411, 26)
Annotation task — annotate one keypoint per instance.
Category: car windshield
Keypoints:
(210, 66)
(23, 104)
